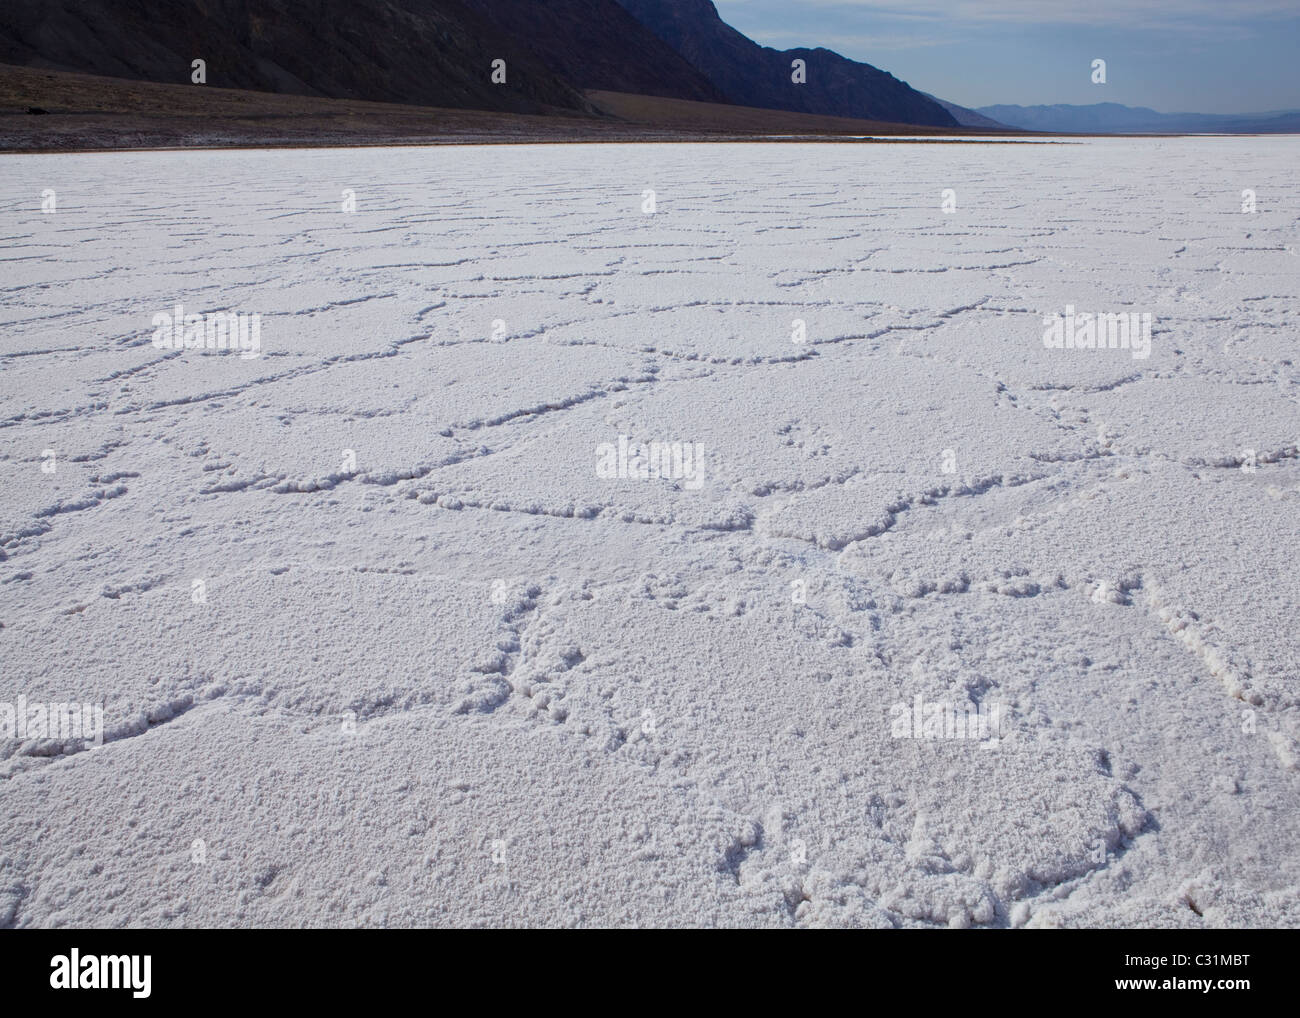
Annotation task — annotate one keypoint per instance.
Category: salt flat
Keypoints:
(378, 640)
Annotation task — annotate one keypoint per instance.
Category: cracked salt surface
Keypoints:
(459, 678)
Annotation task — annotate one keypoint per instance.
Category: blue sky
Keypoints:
(1176, 56)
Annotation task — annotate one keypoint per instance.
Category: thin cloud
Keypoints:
(876, 41)
(1130, 13)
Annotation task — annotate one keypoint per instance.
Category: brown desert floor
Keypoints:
(82, 112)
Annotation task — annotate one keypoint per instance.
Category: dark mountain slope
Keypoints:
(414, 51)
(752, 75)
(596, 44)
(440, 53)
(427, 52)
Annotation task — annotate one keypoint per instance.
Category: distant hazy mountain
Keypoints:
(752, 75)
(965, 117)
(1112, 118)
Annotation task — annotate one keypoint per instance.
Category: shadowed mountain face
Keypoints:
(752, 75)
(428, 52)
(441, 53)
(597, 45)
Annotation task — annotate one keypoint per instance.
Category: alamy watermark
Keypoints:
(1125, 330)
(75, 971)
(214, 330)
(67, 722)
(675, 461)
(942, 720)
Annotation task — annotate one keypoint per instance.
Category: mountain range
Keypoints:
(440, 53)
(1113, 118)
(565, 57)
